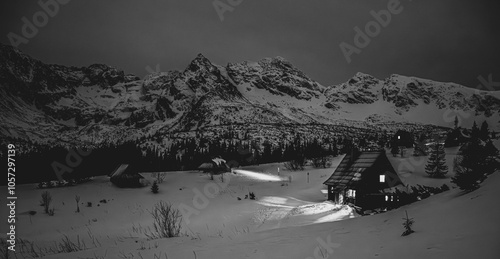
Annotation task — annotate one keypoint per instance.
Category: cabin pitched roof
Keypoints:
(125, 170)
(215, 164)
(350, 170)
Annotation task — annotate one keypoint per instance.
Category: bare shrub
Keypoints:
(67, 245)
(46, 200)
(321, 162)
(295, 164)
(167, 221)
(160, 177)
(77, 199)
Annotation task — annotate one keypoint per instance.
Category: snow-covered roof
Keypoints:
(219, 161)
(351, 170)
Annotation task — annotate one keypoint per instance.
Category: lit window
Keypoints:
(386, 198)
(382, 178)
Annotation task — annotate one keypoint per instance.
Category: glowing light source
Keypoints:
(259, 176)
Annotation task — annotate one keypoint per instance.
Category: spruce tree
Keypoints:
(419, 149)
(154, 188)
(394, 150)
(484, 131)
(491, 154)
(490, 150)
(468, 166)
(436, 165)
(477, 160)
(475, 131)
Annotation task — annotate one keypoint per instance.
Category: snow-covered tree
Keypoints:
(436, 165)
(484, 131)
(475, 162)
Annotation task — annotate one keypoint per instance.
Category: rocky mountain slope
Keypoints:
(43, 102)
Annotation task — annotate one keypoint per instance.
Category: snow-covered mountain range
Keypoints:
(69, 104)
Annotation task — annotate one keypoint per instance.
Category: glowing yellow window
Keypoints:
(382, 178)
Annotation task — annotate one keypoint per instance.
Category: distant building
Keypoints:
(366, 180)
(215, 166)
(126, 176)
(403, 139)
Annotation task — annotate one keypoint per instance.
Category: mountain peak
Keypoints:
(200, 62)
(363, 75)
(201, 56)
(280, 58)
(277, 59)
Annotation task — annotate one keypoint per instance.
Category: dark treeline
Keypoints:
(45, 163)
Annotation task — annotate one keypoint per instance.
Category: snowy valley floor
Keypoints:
(287, 220)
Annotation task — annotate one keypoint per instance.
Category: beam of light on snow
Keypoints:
(259, 176)
(344, 213)
(272, 201)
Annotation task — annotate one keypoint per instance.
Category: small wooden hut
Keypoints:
(214, 167)
(126, 175)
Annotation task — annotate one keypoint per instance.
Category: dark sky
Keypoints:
(445, 40)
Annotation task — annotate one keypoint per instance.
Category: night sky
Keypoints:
(445, 40)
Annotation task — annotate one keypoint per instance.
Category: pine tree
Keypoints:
(452, 138)
(456, 122)
(484, 131)
(154, 187)
(490, 150)
(436, 165)
(491, 155)
(467, 166)
(394, 150)
(407, 224)
(475, 131)
(419, 149)
(335, 150)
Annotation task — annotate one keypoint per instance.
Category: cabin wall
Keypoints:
(337, 197)
(371, 177)
(377, 200)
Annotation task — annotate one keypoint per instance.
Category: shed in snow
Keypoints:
(366, 180)
(126, 175)
(215, 166)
